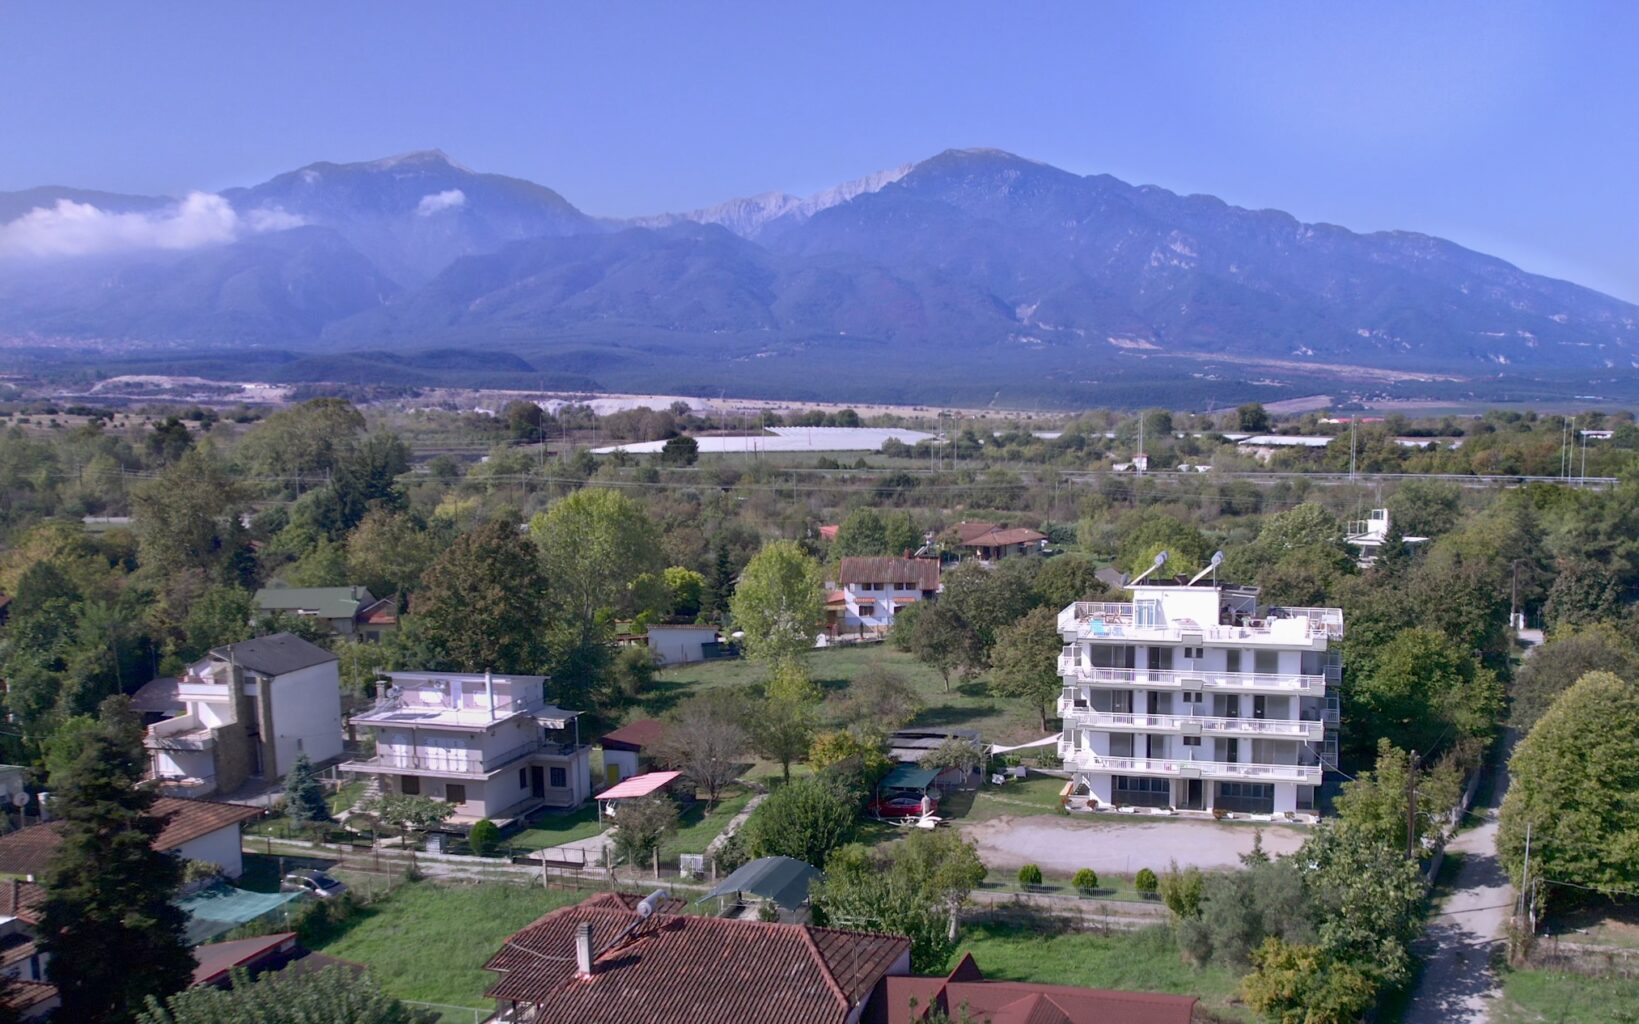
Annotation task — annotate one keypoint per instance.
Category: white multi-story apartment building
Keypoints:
(1192, 696)
(488, 744)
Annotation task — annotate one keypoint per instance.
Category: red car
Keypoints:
(905, 806)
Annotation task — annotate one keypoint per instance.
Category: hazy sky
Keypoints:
(1512, 128)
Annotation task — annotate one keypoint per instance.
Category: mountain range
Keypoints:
(973, 273)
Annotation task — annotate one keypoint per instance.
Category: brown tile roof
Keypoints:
(26, 995)
(966, 531)
(1017, 1002)
(21, 900)
(677, 968)
(28, 850)
(914, 573)
(643, 732)
(1002, 538)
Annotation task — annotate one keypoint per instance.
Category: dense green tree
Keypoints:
(912, 888)
(1425, 508)
(1576, 788)
(113, 935)
(779, 603)
(685, 590)
(1300, 984)
(333, 995)
(641, 825)
(305, 805)
(167, 441)
(188, 517)
(1366, 901)
(1374, 804)
(1583, 593)
(388, 551)
(220, 615)
(1025, 662)
(934, 633)
(988, 600)
(681, 450)
(1252, 418)
(719, 588)
(1566, 657)
(1238, 910)
(1069, 578)
(806, 819)
(1421, 690)
(480, 604)
(297, 446)
(1143, 533)
(861, 532)
(595, 544)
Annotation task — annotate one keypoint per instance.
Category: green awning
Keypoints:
(222, 908)
(781, 879)
(909, 776)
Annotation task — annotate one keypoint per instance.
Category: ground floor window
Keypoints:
(1306, 798)
(560, 778)
(409, 785)
(1141, 791)
(1248, 797)
(455, 793)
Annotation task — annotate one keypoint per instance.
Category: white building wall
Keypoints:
(307, 714)
(221, 847)
(881, 602)
(679, 645)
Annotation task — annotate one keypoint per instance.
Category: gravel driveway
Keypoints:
(1112, 845)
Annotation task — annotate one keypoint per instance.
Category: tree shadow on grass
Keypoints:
(949, 714)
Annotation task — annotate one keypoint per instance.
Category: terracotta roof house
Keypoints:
(990, 541)
(29, 996)
(874, 589)
(194, 829)
(608, 961)
(628, 750)
(1016, 1002)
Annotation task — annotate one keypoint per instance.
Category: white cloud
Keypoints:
(80, 229)
(438, 202)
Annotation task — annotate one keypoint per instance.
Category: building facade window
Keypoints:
(455, 793)
(409, 785)
(560, 778)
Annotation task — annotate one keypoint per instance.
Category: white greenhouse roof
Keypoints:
(787, 439)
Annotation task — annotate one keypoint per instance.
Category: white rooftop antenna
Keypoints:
(1212, 567)
(1160, 560)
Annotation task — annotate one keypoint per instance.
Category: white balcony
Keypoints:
(1179, 768)
(1189, 725)
(1119, 621)
(1278, 683)
(184, 732)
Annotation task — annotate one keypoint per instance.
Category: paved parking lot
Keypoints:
(1118, 845)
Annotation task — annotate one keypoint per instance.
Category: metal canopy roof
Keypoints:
(784, 880)
(908, 776)
(638, 785)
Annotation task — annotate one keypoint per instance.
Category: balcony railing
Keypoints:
(1281, 728)
(1288, 625)
(184, 732)
(1084, 760)
(453, 763)
(1299, 683)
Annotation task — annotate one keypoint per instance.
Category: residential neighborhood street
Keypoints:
(1459, 984)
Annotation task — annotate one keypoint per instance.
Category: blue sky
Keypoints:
(1509, 127)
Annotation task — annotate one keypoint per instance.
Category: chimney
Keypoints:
(583, 949)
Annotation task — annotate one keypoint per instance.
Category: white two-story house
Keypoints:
(249, 710)
(490, 745)
(872, 590)
(1192, 696)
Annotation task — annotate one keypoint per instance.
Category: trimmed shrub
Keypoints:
(484, 838)
(1086, 880)
(1030, 874)
(1146, 882)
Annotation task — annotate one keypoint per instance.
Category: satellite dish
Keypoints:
(20, 800)
(1160, 559)
(1217, 558)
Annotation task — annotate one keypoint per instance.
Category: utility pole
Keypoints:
(1411, 807)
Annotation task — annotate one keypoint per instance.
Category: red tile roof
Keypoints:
(635, 735)
(21, 900)
(382, 613)
(1002, 538)
(23, 996)
(213, 962)
(1017, 1002)
(674, 968)
(828, 531)
(639, 785)
(911, 573)
(28, 851)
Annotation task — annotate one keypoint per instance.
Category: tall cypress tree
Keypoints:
(113, 935)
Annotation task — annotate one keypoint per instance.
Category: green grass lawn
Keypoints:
(1038, 794)
(429, 942)
(1530, 996)
(967, 705)
(696, 828)
(556, 829)
(1144, 960)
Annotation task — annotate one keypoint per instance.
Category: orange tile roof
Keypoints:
(1016, 1002)
(28, 851)
(644, 732)
(680, 968)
